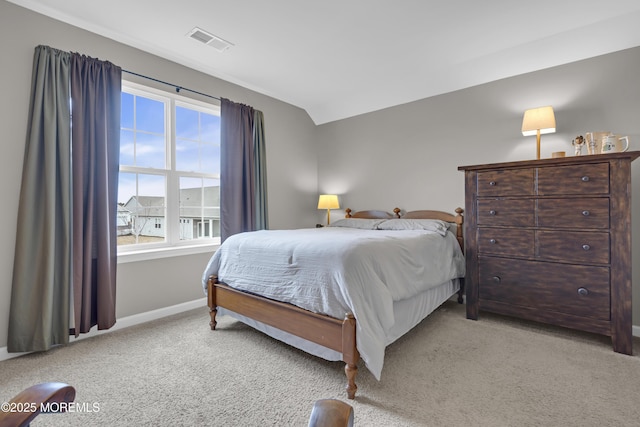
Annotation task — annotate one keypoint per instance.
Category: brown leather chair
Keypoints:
(31, 399)
(331, 413)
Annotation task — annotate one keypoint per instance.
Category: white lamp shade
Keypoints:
(538, 119)
(328, 201)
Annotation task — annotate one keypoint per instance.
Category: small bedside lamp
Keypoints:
(537, 121)
(328, 202)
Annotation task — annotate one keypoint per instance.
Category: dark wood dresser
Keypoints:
(550, 241)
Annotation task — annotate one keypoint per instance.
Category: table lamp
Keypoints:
(328, 202)
(537, 121)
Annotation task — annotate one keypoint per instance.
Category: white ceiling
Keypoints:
(340, 58)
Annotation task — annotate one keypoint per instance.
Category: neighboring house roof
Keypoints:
(190, 204)
(146, 205)
(123, 210)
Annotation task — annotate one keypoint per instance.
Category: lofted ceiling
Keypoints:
(341, 58)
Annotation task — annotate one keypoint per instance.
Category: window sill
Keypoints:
(157, 253)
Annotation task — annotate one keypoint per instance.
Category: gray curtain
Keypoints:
(238, 193)
(260, 164)
(51, 213)
(39, 311)
(95, 145)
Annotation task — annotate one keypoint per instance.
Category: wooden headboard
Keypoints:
(372, 214)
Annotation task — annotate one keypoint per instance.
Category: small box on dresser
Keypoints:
(550, 241)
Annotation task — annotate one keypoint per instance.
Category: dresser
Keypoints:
(550, 240)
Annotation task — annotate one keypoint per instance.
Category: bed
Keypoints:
(342, 292)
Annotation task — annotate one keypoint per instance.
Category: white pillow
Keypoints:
(435, 225)
(361, 223)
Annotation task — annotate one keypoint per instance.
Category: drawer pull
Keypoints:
(583, 291)
(492, 212)
(586, 247)
(492, 241)
(585, 179)
(492, 183)
(496, 279)
(585, 213)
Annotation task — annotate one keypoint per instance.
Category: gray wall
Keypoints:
(407, 156)
(145, 285)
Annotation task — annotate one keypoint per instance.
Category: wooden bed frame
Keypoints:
(330, 332)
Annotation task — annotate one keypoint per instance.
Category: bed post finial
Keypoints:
(397, 212)
(348, 211)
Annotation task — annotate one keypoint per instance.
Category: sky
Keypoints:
(142, 144)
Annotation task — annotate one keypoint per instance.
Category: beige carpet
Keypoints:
(448, 371)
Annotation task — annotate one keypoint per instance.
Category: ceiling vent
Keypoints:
(209, 39)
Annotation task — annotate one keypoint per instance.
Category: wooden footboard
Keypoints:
(336, 334)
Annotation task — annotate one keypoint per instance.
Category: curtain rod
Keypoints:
(178, 88)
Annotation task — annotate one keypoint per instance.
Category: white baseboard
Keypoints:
(125, 322)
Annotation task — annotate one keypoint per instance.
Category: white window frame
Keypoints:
(172, 246)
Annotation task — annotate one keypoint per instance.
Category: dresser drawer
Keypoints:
(505, 241)
(574, 246)
(580, 213)
(583, 179)
(571, 289)
(510, 212)
(515, 182)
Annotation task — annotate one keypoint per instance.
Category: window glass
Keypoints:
(150, 150)
(141, 207)
(126, 108)
(143, 140)
(149, 115)
(199, 208)
(169, 185)
(197, 140)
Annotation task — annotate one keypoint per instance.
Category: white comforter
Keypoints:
(335, 271)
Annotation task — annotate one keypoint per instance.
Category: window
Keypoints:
(169, 186)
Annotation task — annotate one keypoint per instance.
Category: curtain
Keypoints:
(260, 163)
(39, 311)
(95, 136)
(53, 210)
(237, 169)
